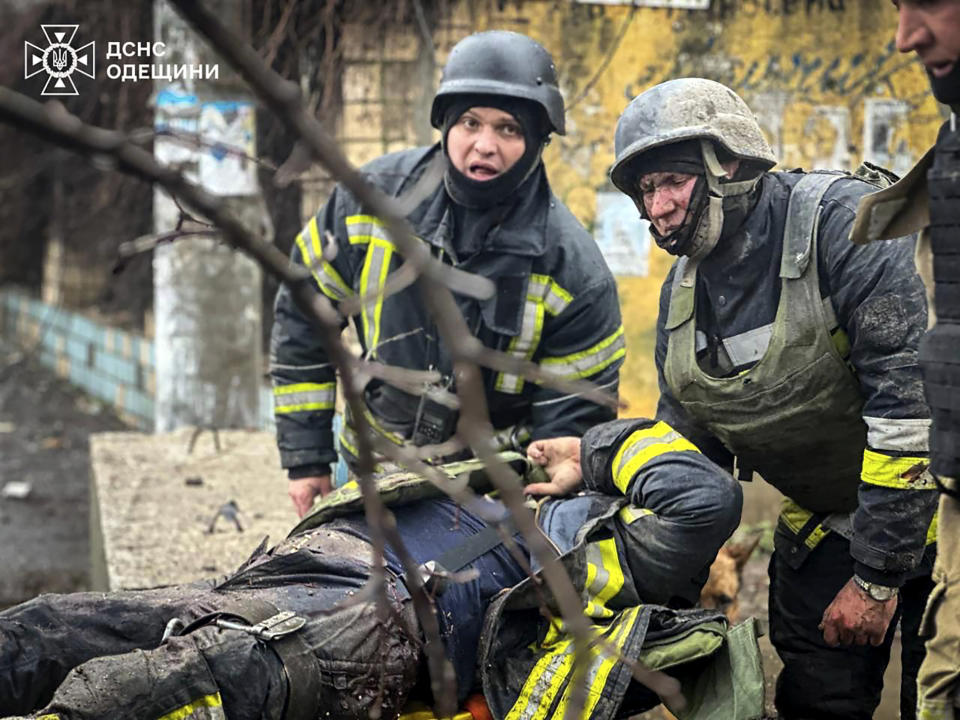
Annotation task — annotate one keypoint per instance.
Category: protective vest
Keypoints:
(940, 349)
(795, 416)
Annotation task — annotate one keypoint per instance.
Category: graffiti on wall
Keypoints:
(802, 72)
(774, 8)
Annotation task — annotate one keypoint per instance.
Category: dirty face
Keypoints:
(485, 142)
(931, 29)
(666, 197)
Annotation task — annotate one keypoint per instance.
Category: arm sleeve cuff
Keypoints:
(878, 577)
(302, 471)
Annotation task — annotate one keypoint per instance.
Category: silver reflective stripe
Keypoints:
(602, 575)
(589, 361)
(642, 444)
(303, 397)
(899, 435)
(523, 345)
(362, 229)
(373, 277)
(311, 253)
(748, 347)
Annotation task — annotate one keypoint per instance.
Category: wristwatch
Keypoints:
(880, 593)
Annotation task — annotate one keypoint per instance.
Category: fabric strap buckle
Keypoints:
(273, 628)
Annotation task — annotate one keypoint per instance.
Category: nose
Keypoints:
(486, 142)
(661, 204)
(912, 32)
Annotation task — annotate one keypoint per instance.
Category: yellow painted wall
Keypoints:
(814, 71)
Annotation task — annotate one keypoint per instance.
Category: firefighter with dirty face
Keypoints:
(927, 199)
(786, 351)
(634, 513)
(492, 214)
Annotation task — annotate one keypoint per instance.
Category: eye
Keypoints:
(510, 130)
(469, 122)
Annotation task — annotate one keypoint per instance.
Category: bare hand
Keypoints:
(560, 457)
(303, 491)
(856, 618)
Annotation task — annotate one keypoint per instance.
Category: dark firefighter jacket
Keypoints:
(874, 307)
(555, 304)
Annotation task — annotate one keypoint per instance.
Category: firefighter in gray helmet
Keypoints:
(493, 214)
(785, 350)
(928, 199)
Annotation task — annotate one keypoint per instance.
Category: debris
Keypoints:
(17, 490)
(7, 427)
(51, 443)
(231, 512)
(193, 481)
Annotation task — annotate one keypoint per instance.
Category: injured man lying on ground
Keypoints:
(296, 633)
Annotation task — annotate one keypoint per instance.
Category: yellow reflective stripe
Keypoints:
(932, 530)
(364, 229)
(814, 538)
(604, 576)
(901, 473)
(373, 277)
(794, 516)
(299, 397)
(544, 295)
(630, 513)
(601, 663)
(641, 447)
(842, 342)
(535, 696)
(543, 288)
(206, 708)
(348, 441)
(311, 254)
(592, 360)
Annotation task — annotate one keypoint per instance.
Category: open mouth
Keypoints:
(940, 69)
(482, 171)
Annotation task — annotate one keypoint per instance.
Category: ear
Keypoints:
(741, 552)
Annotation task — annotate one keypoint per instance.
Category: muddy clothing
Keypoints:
(670, 512)
(104, 651)
(817, 678)
(555, 304)
(796, 352)
(655, 514)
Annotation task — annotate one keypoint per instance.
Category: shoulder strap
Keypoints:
(681, 295)
(803, 217)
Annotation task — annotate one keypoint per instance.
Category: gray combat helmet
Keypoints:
(500, 62)
(687, 109)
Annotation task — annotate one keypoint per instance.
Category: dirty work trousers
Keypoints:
(939, 677)
(823, 682)
(99, 655)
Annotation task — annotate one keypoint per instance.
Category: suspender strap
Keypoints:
(468, 550)
(299, 663)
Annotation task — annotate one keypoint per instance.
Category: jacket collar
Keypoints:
(522, 232)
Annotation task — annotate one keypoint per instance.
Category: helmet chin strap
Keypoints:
(706, 234)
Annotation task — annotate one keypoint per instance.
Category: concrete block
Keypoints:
(148, 527)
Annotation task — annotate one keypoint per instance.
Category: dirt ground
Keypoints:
(45, 427)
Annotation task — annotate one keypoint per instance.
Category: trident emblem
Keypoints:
(59, 59)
